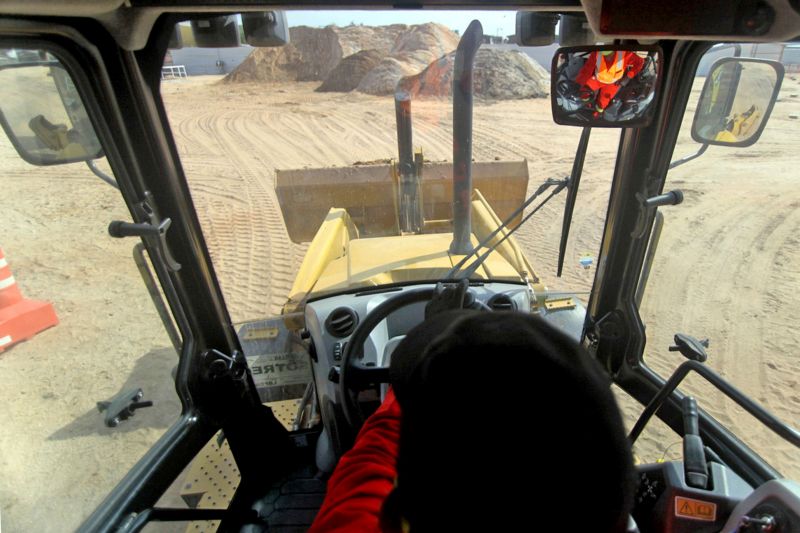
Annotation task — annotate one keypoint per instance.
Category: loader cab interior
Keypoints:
(625, 172)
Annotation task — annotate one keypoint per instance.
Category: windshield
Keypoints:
(326, 165)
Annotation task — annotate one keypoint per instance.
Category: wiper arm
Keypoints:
(543, 187)
(479, 260)
(559, 186)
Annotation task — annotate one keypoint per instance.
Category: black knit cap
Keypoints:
(495, 401)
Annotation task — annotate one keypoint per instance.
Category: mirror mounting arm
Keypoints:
(688, 158)
(100, 174)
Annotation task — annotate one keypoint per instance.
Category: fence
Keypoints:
(173, 72)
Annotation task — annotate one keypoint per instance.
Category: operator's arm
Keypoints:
(634, 63)
(586, 74)
(364, 476)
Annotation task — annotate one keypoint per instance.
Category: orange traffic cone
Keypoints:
(20, 319)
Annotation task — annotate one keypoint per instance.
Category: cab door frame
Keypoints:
(614, 329)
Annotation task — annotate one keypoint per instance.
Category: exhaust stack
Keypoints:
(462, 137)
(409, 202)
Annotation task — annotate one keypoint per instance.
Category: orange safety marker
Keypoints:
(20, 319)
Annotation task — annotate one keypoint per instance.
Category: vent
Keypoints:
(341, 322)
(501, 302)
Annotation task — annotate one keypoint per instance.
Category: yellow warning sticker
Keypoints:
(695, 509)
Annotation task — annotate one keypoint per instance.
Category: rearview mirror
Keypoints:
(575, 31)
(42, 113)
(737, 99)
(605, 86)
(536, 29)
(216, 32)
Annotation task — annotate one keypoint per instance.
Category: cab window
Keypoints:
(78, 328)
(725, 267)
(292, 142)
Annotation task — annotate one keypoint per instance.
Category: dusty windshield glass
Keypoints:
(294, 158)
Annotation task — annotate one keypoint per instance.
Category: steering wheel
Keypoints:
(354, 376)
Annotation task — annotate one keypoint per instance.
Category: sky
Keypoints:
(494, 22)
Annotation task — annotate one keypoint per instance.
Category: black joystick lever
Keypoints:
(691, 348)
(694, 458)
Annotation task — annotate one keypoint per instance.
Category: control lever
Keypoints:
(694, 458)
(691, 348)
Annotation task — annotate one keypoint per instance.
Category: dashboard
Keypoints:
(331, 321)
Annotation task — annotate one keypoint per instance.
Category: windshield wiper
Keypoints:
(456, 270)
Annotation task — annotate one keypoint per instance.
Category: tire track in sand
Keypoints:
(716, 281)
(266, 263)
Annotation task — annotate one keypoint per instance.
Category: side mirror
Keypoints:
(737, 99)
(42, 112)
(266, 29)
(605, 86)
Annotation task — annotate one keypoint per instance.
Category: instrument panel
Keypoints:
(331, 321)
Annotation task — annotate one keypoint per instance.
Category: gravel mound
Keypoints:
(374, 59)
(314, 52)
(414, 50)
(499, 75)
(349, 72)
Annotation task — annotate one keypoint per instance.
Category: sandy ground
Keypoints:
(726, 267)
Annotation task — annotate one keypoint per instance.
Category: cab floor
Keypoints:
(291, 504)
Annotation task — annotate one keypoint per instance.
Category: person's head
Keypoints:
(507, 424)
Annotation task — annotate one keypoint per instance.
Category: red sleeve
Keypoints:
(636, 63)
(364, 476)
(587, 70)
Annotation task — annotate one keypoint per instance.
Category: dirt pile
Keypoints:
(414, 50)
(381, 38)
(349, 72)
(499, 75)
(373, 59)
(267, 64)
(314, 52)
